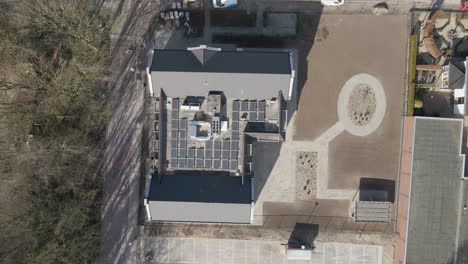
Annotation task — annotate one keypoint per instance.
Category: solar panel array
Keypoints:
(219, 154)
(254, 109)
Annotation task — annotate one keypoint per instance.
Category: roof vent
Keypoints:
(204, 53)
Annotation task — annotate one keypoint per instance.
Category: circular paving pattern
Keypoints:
(361, 104)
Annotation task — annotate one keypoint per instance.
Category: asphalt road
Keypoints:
(122, 158)
(121, 167)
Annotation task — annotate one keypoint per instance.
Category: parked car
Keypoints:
(332, 2)
(224, 3)
(464, 5)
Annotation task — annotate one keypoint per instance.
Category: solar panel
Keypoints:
(182, 143)
(217, 164)
(235, 125)
(183, 134)
(182, 152)
(174, 142)
(183, 123)
(190, 163)
(244, 105)
(209, 144)
(261, 116)
(235, 135)
(175, 103)
(174, 133)
(175, 123)
(174, 163)
(235, 116)
(208, 153)
(191, 152)
(199, 163)
(217, 144)
(262, 106)
(174, 153)
(233, 165)
(181, 163)
(225, 154)
(225, 144)
(217, 154)
(234, 145)
(225, 164)
(235, 105)
(175, 114)
(253, 116)
(233, 155)
(200, 153)
(253, 106)
(207, 163)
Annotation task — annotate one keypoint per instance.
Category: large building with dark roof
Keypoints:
(237, 73)
(432, 210)
(211, 104)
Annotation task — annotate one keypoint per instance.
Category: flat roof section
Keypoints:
(200, 212)
(435, 197)
(200, 197)
(201, 186)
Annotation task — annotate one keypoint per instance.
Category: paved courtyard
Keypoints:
(372, 61)
(230, 251)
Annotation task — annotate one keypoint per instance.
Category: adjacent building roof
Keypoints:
(457, 73)
(436, 191)
(460, 94)
(197, 196)
(239, 74)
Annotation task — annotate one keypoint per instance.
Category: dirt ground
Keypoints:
(355, 44)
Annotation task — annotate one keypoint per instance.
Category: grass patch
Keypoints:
(413, 54)
(52, 214)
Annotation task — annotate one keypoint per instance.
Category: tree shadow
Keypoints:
(263, 160)
(437, 104)
(304, 234)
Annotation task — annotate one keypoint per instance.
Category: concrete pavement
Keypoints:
(231, 251)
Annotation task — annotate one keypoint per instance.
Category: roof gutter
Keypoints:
(252, 204)
(148, 212)
(293, 75)
(148, 73)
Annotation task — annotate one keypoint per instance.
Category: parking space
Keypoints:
(230, 251)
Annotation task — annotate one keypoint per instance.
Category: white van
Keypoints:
(299, 251)
(299, 254)
(224, 3)
(332, 2)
